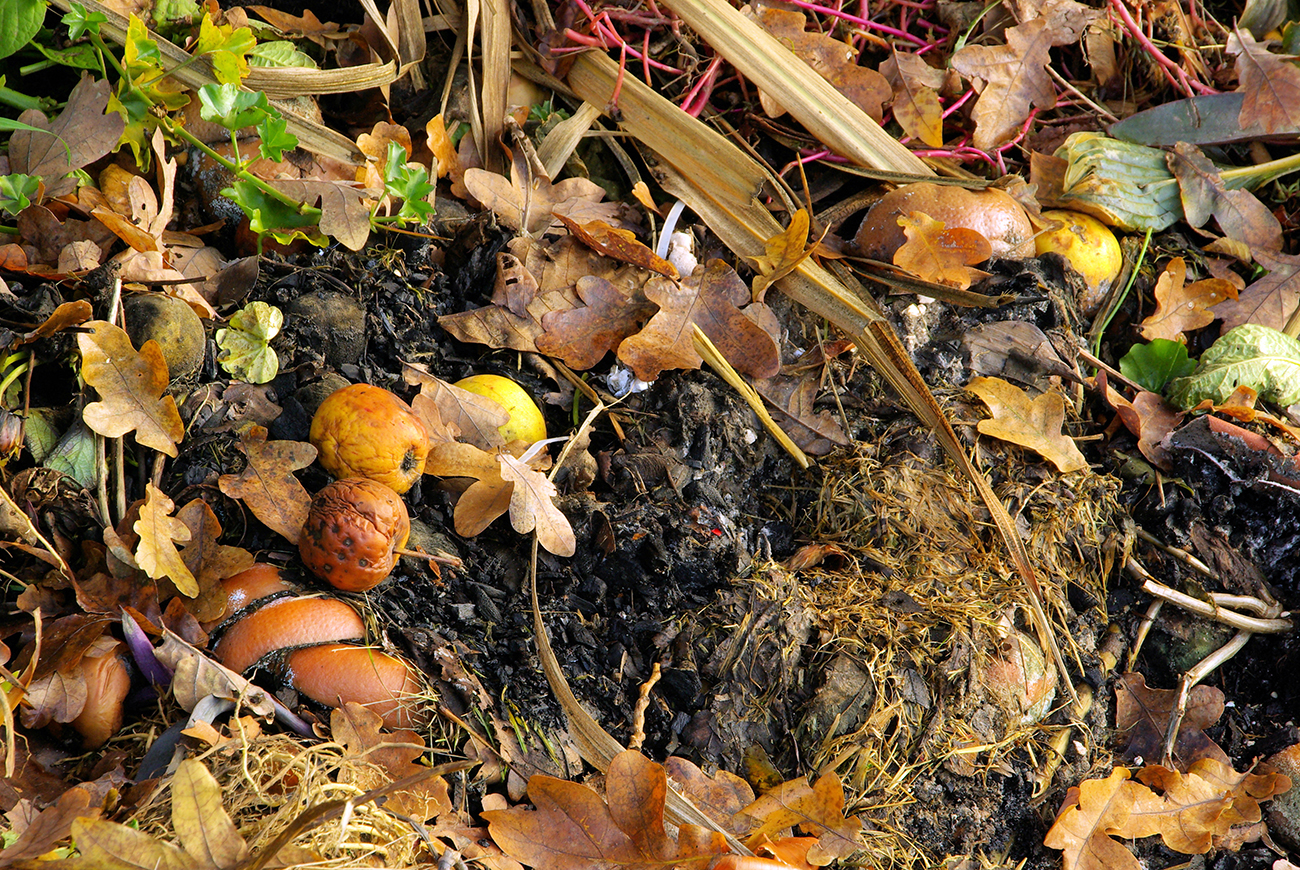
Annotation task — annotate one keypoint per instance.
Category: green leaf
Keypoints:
(232, 108)
(1153, 365)
(279, 53)
(81, 21)
(246, 350)
(1251, 355)
(17, 192)
(268, 215)
(275, 138)
(407, 183)
(83, 56)
(226, 47)
(19, 22)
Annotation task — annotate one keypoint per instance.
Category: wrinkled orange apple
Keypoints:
(366, 431)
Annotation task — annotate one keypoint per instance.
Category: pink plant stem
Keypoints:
(860, 22)
(698, 97)
(957, 105)
(645, 55)
(1159, 56)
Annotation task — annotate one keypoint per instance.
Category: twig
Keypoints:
(1209, 609)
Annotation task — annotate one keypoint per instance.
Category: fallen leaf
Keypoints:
(195, 676)
(817, 810)
(81, 134)
(441, 146)
(617, 244)
(791, 399)
(267, 485)
(130, 386)
(1015, 78)
(1203, 804)
(1142, 716)
(209, 561)
(916, 104)
(1149, 417)
(719, 796)
(1271, 300)
(156, 553)
(375, 146)
(940, 255)
(531, 204)
(532, 507)
(582, 336)
(1182, 308)
(345, 208)
(307, 26)
(109, 846)
(1239, 213)
(393, 756)
(1090, 814)
(783, 253)
(832, 59)
(709, 298)
(200, 820)
(1269, 84)
(1032, 423)
(476, 419)
(50, 827)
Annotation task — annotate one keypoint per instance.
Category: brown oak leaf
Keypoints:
(1269, 84)
(1015, 78)
(81, 134)
(1149, 417)
(1181, 307)
(387, 756)
(1032, 423)
(159, 531)
(582, 336)
(916, 96)
(530, 204)
(709, 298)
(783, 253)
(1269, 301)
(618, 244)
(817, 810)
(1142, 717)
(267, 485)
(532, 507)
(943, 256)
(209, 561)
(1202, 805)
(1092, 812)
(130, 386)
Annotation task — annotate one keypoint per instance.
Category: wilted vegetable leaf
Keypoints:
(1183, 307)
(156, 554)
(532, 507)
(130, 387)
(1268, 301)
(1264, 359)
(246, 350)
(1153, 365)
(1032, 423)
(267, 485)
(943, 256)
(1015, 77)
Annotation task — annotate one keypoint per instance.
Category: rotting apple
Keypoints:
(354, 529)
(526, 422)
(366, 431)
(1090, 247)
(993, 213)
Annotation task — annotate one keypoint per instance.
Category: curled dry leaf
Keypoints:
(582, 336)
(156, 553)
(943, 256)
(532, 507)
(1269, 301)
(916, 96)
(817, 810)
(130, 386)
(1015, 77)
(195, 676)
(1032, 423)
(394, 754)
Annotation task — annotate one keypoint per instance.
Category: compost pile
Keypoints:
(631, 435)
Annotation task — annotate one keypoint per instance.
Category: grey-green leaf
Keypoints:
(1251, 355)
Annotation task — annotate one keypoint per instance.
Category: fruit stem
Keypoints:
(450, 561)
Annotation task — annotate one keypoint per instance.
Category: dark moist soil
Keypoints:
(678, 519)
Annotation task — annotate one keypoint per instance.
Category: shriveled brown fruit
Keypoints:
(366, 431)
(352, 533)
(992, 213)
(335, 673)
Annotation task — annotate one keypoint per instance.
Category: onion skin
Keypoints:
(107, 683)
(353, 530)
(993, 213)
(333, 674)
(287, 622)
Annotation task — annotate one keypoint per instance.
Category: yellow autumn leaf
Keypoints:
(1031, 423)
(156, 554)
(130, 385)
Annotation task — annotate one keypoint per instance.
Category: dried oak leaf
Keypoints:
(393, 755)
(1240, 214)
(156, 553)
(195, 676)
(1269, 84)
(1201, 806)
(573, 829)
(783, 253)
(50, 827)
(709, 298)
(1268, 301)
(916, 96)
(81, 134)
(582, 336)
(473, 418)
(1032, 423)
(832, 59)
(1015, 78)
(791, 399)
(201, 822)
(1182, 308)
(209, 561)
(940, 255)
(817, 810)
(487, 498)
(1149, 417)
(130, 386)
(719, 797)
(308, 26)
(618, 244)
(441, 146)
(267, 485)
(532, 507)
(375, 146)
(532, 204)
(1142, 716)
(1092, 812)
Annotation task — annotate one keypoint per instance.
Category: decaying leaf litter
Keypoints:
(864, 624)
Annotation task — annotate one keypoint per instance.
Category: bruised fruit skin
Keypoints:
(366, 431)
(353, 530)
(992, 213)
(285, 623)
(107, 683)
(526, 422)
(334, 674)
(1090, 247)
